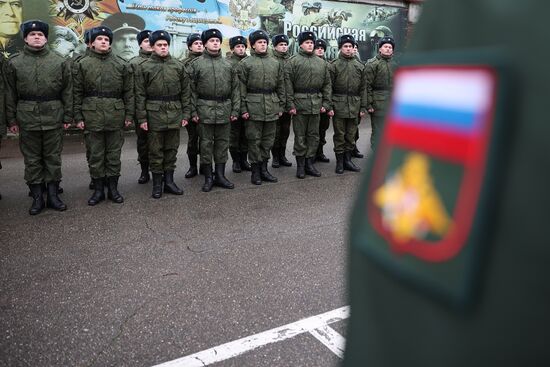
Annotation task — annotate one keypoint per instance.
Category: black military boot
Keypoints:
(245, 166)
(310, 168)
(282, 158)
(236, 157)
(157, 186)
(144, 176)
(275, 163)
(192, 171)
(91, 185)
(348, 163)
(37, 199)
(53, 201)
(321, 157)
(208, 179)
(169, 184)
(112, 190)
(45, 189)
(355, 153)
(339, 163)
(219, 178)
(99, 192)
(256, 177)
(264, 173)
(300, 167)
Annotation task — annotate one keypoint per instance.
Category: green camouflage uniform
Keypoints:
(214, 98)
(162, 100)
(237, 136)
(349, 98)
(142, 148)
(103, 99)
(324, 124)
(379, 77)
(307, 90)
(39, 101)
(192, 131)
(263, 97)
(282, 130)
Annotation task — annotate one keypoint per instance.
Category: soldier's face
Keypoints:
(260, 46)
(319, 51)
(161, 48)
(355, 49)
(125, 45)
(36, 39)
(197, 46)
(101, 44)
(307, 46)
(239, 50)
(145, 45)
(386, 49)
(11, 14)
(347, 49)
(282, 47)
(213, 45)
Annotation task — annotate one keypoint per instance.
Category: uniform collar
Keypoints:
(156, 57)
(36, 51)
(211, 55)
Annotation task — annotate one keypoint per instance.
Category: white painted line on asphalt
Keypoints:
(246, 344)
(331, 339)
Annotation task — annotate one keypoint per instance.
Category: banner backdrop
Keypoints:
(328, 19)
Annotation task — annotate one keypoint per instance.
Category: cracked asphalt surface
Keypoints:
(149, 281)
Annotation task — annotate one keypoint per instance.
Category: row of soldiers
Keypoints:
(241, 104)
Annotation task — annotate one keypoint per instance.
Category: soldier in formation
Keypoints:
(324, 121)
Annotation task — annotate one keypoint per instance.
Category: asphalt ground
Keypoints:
(149, 281)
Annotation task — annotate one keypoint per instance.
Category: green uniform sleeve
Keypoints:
(235, 94)
(281, 88)
(11, 96)
(67, 92)
(139, 87)
(193, 90)
(185, 93)
(78, 92)
(289, 75)
(327, 90)
(243, 82)
(128, 92)
(369, 77)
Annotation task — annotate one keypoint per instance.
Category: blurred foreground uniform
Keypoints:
(2, 105)
(461, 277)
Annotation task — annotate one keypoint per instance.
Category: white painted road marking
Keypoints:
(246, 344)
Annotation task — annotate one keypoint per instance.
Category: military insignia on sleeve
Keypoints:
(425, 203)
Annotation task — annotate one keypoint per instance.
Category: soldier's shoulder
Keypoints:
(14, 56)
(119, 60)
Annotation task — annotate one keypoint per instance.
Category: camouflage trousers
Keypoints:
(260, 135)
(282, 131)
(193, 141)
(214, 142)
(306, 135)
(377, 123)
(105, 148)
(41, 151)
(142, 145)
(345, 130)
(237, 137)
(163, 150)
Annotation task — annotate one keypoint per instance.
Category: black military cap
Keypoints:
(280, 38)
(346, 38)
(211, 33)
(237, 40)
(101, 31)
(159, 35)
(306, 35)
(386, 39)
(34, 26)
(258, 35)
(321, 43)
(87, 36)
(143, 35)
(192, 38)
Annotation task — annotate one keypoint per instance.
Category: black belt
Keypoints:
(259, 91)
(213, 98)
(172, 98)
(340, 92)
(103, 94)
(381, 89)
(39, 98)
(306, 90)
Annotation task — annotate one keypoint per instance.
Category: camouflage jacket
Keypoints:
(379, 77)
(135, 62)
(349, 95)
(234, 59)
(191, 57)
(282, 58)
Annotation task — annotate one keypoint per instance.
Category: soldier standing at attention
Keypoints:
(162, 98)
(145, 51)
(349, 98)
(39, 106)
(379, 71)
(238, 146)
(324, 121)
(262, 102)
(195, 49)
(282, 130)
(215, 103)
(103, 105)
(308, 93)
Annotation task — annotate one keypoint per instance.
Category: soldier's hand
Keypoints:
(292, 111)
(66, 126)
(323, 110)
(14, 129)
(246, 115)
(81, 125)
(330, 113)
(195, 119)
(143, 126)
(280, 114)
(233, 118)
(362, 114)
(127, 123)
(184, 123)
(370, 110)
